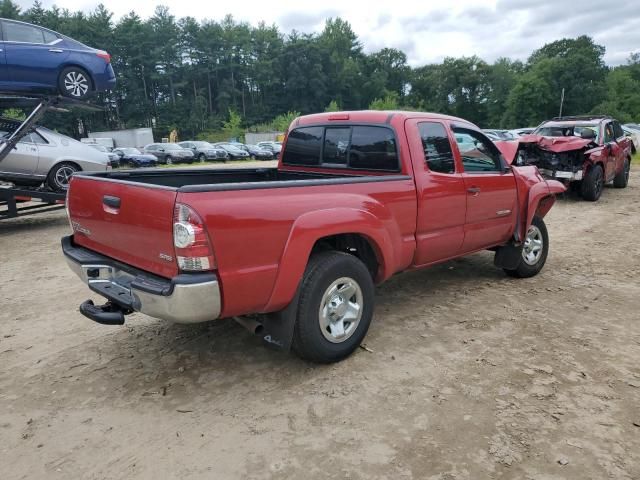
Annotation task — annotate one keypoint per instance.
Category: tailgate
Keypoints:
(130, 223)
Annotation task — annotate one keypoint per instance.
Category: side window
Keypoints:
(336, 145)
(303, 146)
(617, 129)
(37, 138)
(478, 153)
(17, 32)
(373, 148)
(436, 146)
(608, 133)
(49, 37)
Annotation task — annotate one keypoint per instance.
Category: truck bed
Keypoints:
(209, 180)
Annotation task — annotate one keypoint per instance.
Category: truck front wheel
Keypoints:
(534, 251)
(593, 184)
(335, 307)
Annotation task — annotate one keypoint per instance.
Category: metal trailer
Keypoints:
(133, 137)
(17, 201)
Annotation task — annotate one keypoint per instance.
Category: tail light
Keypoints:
(193, 248)
(104, 55)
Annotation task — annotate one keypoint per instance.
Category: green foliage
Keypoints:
(389, 102)
(332, 107)
(232, 128)
(14, 113)
(188, 74)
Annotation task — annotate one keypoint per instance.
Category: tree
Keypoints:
(8, 9)
(389, 102)
(332, 107)
(233, 127)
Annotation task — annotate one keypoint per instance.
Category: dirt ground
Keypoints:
(468, 374)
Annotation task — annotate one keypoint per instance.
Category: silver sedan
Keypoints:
(47, 157)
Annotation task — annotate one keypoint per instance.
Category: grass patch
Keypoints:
(635, 160)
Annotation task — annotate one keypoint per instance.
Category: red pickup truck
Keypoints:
(356, 198)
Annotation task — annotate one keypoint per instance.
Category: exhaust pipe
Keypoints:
(250, 324)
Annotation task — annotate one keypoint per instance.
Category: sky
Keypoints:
(426, 30)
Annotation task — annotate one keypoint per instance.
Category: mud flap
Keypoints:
(508, 256)
(278, 327)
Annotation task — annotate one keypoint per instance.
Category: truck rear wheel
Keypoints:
(534, 251)
(593, 184)
(622, 178)
(335, 307)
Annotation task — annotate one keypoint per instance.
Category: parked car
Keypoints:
(588, 150)
(47, 157)
(36, 59)
(519, 132)
(634, 136)
(275, 147)
(500, 134)
(113, 158)
(205, 151)
(329, 222)
(257, 153)
(234, 152)
(169, 153)
(132, 157)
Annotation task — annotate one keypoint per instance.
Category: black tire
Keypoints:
(168, 160)
(323, 271)
(621, 180)
(59, 176)
(75, 82)
(202, 158)
(526, 269)
(593, 184)
(252, 157)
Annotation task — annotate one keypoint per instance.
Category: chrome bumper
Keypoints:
(561, 174)
(187, 298)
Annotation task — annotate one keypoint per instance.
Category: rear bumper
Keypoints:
(186, 298)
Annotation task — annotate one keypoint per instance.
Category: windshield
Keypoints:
(202, 144)
(567, 130)
(231, 148)
(130, 151)
(101, 148)
(171, 146)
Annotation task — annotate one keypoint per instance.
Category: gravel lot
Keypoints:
(467, 374)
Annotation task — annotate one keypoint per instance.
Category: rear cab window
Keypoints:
(353, 147)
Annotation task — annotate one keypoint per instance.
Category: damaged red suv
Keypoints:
(588, 150)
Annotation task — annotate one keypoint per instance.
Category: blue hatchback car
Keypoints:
(35, 59)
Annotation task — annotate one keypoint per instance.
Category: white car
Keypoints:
(47, 157)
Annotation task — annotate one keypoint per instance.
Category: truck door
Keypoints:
(490, 191)
(612, 150)
(440, 192)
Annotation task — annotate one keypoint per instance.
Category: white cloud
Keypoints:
(427, 31)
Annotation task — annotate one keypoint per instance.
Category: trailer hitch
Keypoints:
(107, 314)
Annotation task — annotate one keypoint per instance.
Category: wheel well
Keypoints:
(354, 244)
(61, 162)
(93, 83)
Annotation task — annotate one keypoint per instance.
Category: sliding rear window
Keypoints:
(359, 147)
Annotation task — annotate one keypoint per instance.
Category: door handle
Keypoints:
(111, 201)
(474, 191)
(55, 50)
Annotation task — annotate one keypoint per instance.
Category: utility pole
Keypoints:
(561, 102)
